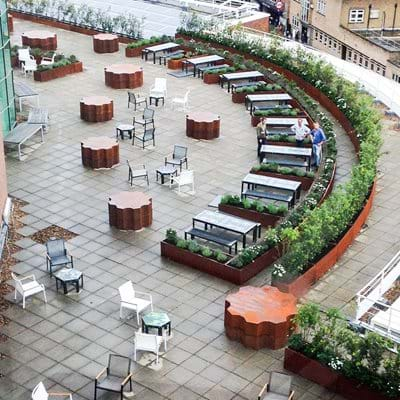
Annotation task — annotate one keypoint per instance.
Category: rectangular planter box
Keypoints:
(175, 64)
(323, 375)
(263, 218)
(305, 182)
(210, 79)
(212, 267)
(44, 76)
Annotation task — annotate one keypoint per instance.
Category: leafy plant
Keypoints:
(171, 236)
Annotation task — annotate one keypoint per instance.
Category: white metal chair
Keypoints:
(185, 178)
(48, 60)
(40, 393)
(130, 301)
(29, 66)
(24, 55)
(159, 88)
(28, 286)
(147, 342)
(182, 102)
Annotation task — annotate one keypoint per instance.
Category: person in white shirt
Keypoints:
(301, 131)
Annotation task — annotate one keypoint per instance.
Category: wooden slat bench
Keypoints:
(213, 237)
(286, 198)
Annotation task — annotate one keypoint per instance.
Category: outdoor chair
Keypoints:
(48, 60)
(57, 255)
(279, 387)
(179, 156)
(137, 171)
(185, 178)
(147, 342)
(115, 376)
(146, 136)
(147, 118)
(27, 286)
(40, 393)
(159, 88)
(130, 301)
(29, 66)
(24, 55)
(136, 99)
(181, 102)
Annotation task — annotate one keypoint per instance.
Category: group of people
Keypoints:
(301, 131)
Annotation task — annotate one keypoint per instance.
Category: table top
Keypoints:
(285, 121)
(225, 221)
(240, 75)
(162, 46)
(96, 100)
(269, 97)
(202, 116)
(125, 127)
(23, 90)
(290, 151)
(99, 142)
(105, 36)
(131, 200)
(166, 169)
(39, 34)
(123, 68)
(68, 274)
(156, 319)
(21, 132)
(204, 59)
(271, 182)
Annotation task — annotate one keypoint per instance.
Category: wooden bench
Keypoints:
(286, 198)
(165, 57)
(212, 237)
(246, 84)
(21, 133)
(202, 70)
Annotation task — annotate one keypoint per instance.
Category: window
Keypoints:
(321, 6)
(356, 16)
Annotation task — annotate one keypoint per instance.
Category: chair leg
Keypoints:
(95, 391)
(120, 311)
(134, 351)
(137, 317)
(23, 301)
(44, 295)
(15, 294)
(147, 178)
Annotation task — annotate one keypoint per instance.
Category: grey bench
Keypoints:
(39, 116)
(286, 198)
(213, 237)
(21, 133)
(246, 84)
(202, 70)
(165, 57)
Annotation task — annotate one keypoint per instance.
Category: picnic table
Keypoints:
(239, 76)
(229, 223)
(156, 49)
(203, 60)
(21, 133)
(288, 152)
(22, 90)
(281, 98)
(253, 181)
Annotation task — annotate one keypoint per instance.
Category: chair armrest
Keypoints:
(124, 382)
(291, 395)
(31, 57)
(48, 257)
(145, 294)
(101, 373)
(61, 394)
(27, 277)
(264, 388)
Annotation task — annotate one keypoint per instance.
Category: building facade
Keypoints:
(366, 33)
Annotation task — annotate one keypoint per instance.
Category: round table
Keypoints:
(123, 76)
(96, 108)
(259, 316)
(105, 43)
(130, 210)
(202, 125)
(100, 152)
(44, 40)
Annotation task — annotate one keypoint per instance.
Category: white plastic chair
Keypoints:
(28, 286)
(159, 89)
(185, 178)
(24, 56)
(40, 393)
(130, 301)
(182, 102)
(48, 60)
(29, 66)
(147, 342)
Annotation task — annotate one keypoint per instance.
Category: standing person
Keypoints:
(261, 130)
(301, 131)
(318, 139)
(288, 29)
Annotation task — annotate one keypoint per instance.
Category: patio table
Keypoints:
(197, 61)
(281, 98)
(288, 151)
(158, 48)
(229, 223)
(239, 76)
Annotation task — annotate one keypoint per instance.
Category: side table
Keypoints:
(156, 99)
(159, 321)
(165, 170)
(69, 276)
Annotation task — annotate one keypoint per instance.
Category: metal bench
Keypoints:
(21, 133)
(165, 57)
(246, 84)
(218, 238)
(286, 198)
(39, 116)
(201, 70)
(270, 107)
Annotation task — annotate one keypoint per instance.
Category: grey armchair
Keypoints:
(147, 119)
(279, 387)
(115, 376)
(137, 171)
(57, 255)
(136, 99)
(179, 156)
(146, 136)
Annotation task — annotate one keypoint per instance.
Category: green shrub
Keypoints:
(220, 256)
(246, 203)
(171, 236)
(193, 246)
(206, 251)
(182, 244)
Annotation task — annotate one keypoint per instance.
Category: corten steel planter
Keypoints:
(59, 72)
(264, 218)
(202, 125)
(100, 152)
(210, 79)
(334, 381)
(212, 267)
(329, 188)
(305, 182)
(137, 51)
(175, 64)
(105, 43)
(123, 76)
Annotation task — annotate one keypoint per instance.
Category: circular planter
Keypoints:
(96, 108)
(123, 76)
(100, 152)
(105, 43)
(202, 125)
(44, 40)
